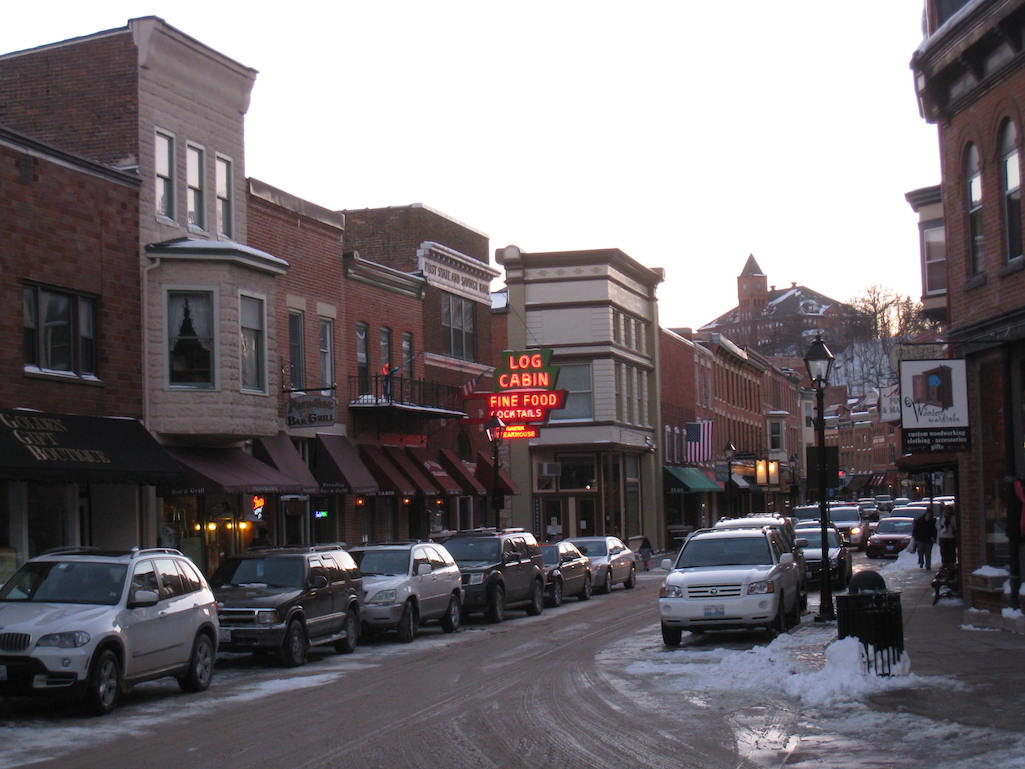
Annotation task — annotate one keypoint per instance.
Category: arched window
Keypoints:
(1010, 168)
(973, 203)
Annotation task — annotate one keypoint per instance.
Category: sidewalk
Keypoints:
(988, 665)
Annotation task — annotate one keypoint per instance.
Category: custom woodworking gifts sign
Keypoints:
(933, 406)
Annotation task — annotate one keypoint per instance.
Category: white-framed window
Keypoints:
(362, 357)
(575, 379)
(327, 353)
(59, 329)
(973, 210)
(253, 341)
(163, 173)
(225, 197)
(296, 350)
(407, 355)
(458, 327)
(195, 169)
(190, 342)
(1010, 177)
(776, 436)
(934, 251)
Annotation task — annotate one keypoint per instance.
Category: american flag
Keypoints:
(699, 441)
(470, 386)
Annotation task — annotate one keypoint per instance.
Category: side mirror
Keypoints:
(143, 598)
(800, 542)
(318, 582)
(667, 564)
(423, 569)
(786, 559)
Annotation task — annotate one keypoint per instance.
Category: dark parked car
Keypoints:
(841, 566)
(501, 569)
(612, 561)
(286, 599)
(890, 537)
(567, 572)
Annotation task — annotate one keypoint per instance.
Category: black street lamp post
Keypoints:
(819, 361)
(494, 428)
(729, 451)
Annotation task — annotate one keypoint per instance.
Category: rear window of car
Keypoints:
(845, 514)
(894, 526)
(746, 551)
(814, 538)
(474, 548)
(598, 547)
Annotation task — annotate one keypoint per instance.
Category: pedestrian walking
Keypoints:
(946, 535)
(646, 552)
(924, 534)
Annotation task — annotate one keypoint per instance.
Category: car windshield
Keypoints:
(844, 515)
(377, 563)
(474, 548)
(814, 537)
(597, 547)
(551, 554)
(748, 551)
(807, 513)
(66, 582)
(272, 571)
(894, 526)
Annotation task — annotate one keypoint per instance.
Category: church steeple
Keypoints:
(752, 289)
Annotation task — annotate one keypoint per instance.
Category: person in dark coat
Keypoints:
(924, 534)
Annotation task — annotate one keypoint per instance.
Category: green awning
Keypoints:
(688, 479)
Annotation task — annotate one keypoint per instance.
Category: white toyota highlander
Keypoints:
(730, 578)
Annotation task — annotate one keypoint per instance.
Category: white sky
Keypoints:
(688, 134)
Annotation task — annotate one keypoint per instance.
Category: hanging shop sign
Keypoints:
(934, 406)
(311, 410)
(525, 391)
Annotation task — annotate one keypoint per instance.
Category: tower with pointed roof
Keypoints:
(752, 289)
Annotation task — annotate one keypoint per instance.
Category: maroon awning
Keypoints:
(485, 474)
(433, 469)
(411, 470)
(232, 471)
(280, 452)
(462, 473)
(392, 481)
(336, 464)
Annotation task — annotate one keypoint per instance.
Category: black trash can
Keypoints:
(874, 618)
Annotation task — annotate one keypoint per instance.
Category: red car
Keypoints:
(890, 537)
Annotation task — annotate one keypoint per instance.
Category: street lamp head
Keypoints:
(729, 450)
(819, 361)
(494, 427)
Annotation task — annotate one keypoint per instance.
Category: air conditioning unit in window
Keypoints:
(549, 469)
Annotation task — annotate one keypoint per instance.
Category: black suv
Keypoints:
(501, 569)
(286, 599)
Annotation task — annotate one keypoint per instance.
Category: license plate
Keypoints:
(3, 672)
(715, 611)
(224, 636)
(889, 547)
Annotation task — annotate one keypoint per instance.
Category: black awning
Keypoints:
(336, 464)
(228, 471)
(81, 449)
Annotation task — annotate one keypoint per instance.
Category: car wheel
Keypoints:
(537, 599)
(606, 585)
(201, 666)
(778, 624)
(348, 644)
(453, 616)
(588, 589)
(496, 604)
(293, 647)
(631, 579)
(556, 598)
(671, 635)
(103, 689)
(407, 623)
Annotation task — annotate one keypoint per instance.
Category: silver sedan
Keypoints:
(612, 561)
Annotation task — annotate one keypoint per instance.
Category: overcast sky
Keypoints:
(688, 134)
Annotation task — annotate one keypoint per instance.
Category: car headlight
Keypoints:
(476, 578)
(670, 591)
(266, 617)
(384, 596)
(71, 640)
(855, 531)
(760, 588)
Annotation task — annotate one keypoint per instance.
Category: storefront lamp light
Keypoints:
(212, 526)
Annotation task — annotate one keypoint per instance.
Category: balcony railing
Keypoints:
(380, 390)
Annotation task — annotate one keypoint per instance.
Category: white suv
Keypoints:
(92, 623)
(730, 578)
(405, 584)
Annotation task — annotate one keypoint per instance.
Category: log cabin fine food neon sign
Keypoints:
(525, 391)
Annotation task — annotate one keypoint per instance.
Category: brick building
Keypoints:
(970, 79)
